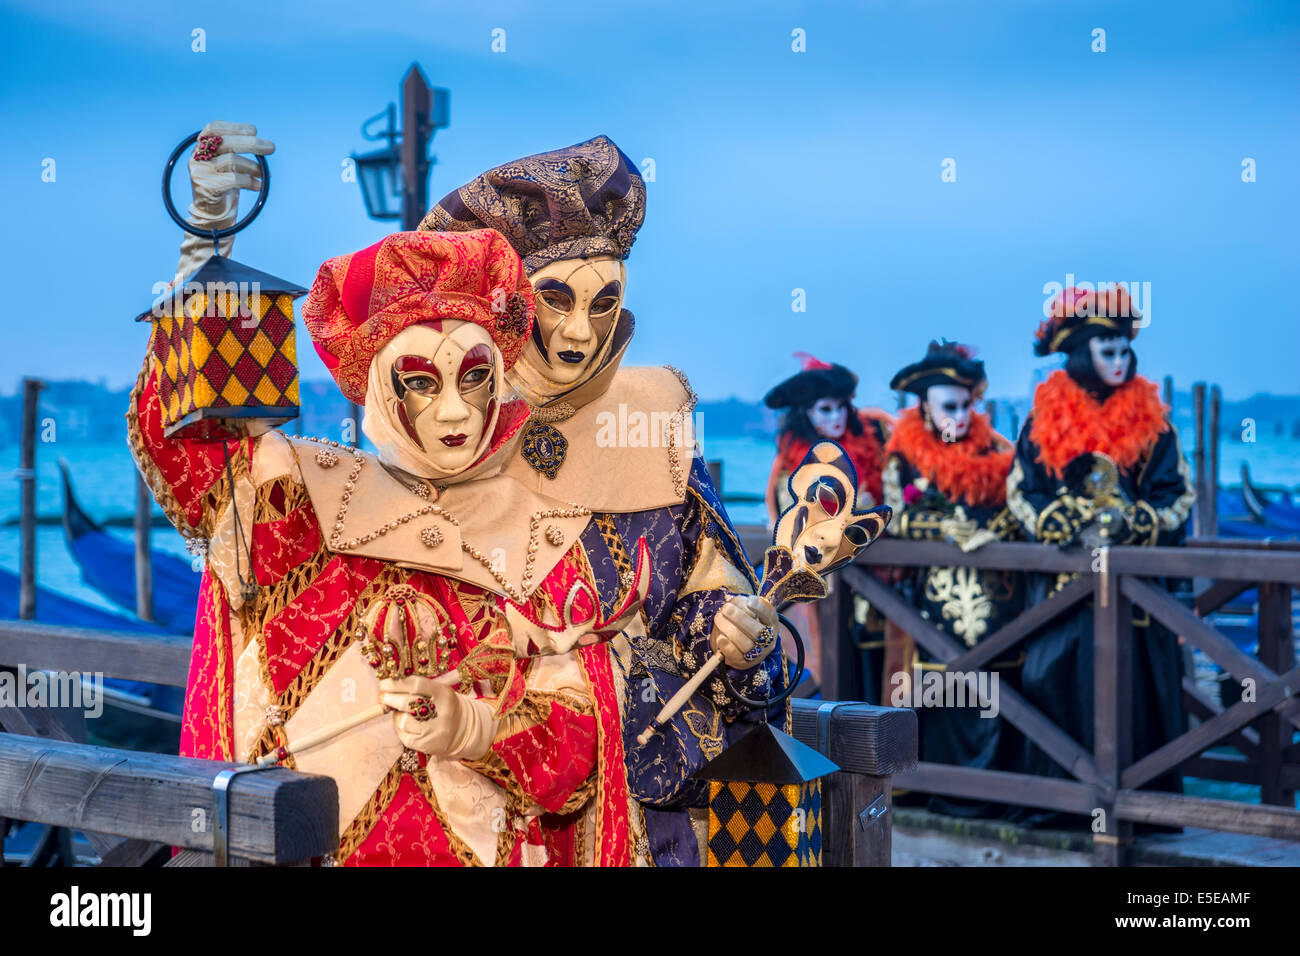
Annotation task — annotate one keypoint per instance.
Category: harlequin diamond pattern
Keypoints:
(213, 358)
(761, 824)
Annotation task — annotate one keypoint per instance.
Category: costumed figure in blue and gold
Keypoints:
(619, 441)
(1098, 462)
(945, 477)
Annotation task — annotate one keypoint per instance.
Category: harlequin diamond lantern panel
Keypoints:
(225, 344)
(765, 802)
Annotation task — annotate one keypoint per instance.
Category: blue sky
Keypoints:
(775, 170)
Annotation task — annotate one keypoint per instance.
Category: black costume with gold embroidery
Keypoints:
(1098, 465)
(956, 491)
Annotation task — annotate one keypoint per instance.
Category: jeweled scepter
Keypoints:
(822, 530)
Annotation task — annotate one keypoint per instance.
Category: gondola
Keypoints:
(107, 564)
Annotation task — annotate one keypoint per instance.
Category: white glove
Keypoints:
(737, 629)
(431, 717)
(215, 184)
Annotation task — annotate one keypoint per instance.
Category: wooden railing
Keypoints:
(131, 804)
(1260, 727)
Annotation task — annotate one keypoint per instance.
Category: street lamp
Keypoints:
(380, 172)
(395, 179)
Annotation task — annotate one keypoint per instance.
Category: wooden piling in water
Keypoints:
(27, 523)
(143, 564)
(1212, 479)
(1198, 458)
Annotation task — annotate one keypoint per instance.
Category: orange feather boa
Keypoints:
(1068, 422)
(972, 471)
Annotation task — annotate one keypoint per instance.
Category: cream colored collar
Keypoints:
(491, 532)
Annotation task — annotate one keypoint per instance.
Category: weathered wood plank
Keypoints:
(1172, 809)
(1113, 706)
(1068, 796)
(1218, 594)
(1013, 707)
(276, 816)
(838, 666)
(1199, 738)
(164, 659)
(1202, 708)
(1276, 652)
(1201, 635)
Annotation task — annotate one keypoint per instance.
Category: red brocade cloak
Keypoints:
(553, 784)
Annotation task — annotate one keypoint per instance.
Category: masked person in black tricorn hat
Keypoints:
(945, 477)
(817, 403)
(619, 441)
(1099, 463)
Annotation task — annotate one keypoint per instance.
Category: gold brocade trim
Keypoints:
(601, 731)
(459, 847)
(677, 426)
(723, 527)
(1176, 515)
(225, 697)
(1016, 500)
(952, 373)
(614, 542)
(162, 492)
(365, 821)
(891, 482)
(1066, 332)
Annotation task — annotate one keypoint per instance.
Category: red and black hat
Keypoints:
(817, 380)
(1076, 315)
(945, 363)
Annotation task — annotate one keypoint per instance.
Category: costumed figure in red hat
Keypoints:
(1098, 462)
(817, 403)
(946, 477)
(619, 441)
(360, 614)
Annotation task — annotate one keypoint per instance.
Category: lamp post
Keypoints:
(395, 179)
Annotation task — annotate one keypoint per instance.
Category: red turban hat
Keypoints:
(361, 300)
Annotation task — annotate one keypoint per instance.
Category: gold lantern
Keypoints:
(224, 339)
(765, 802)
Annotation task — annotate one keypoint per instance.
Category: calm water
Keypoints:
(104, 477)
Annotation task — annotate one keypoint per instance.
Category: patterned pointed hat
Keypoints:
(573, 203)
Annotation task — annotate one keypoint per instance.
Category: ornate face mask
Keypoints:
(949, 409)
(1111, 358)
(830, 416)
(433, 397)
(578, 302)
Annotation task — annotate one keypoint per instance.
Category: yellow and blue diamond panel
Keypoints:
(763, 824)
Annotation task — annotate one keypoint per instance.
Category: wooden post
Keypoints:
(1198, 458)
(1276, 652)
(143, 561)
(417, 99)
(1212, 480)
(1169, 392)
(1014, 433)
(27, 495)
(838, 663)
(991, 406)
(1113, 710)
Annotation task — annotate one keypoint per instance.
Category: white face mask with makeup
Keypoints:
(1111, 358)
(830, 417)
(949, 408)
(433, 398)
(578, 302)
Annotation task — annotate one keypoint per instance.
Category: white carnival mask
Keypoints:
(949, 408)
(1111, 358)
(578, 303)
(434, 397)
(830, 417)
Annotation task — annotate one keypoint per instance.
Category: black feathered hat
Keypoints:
(817, 380)
(945, 363)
